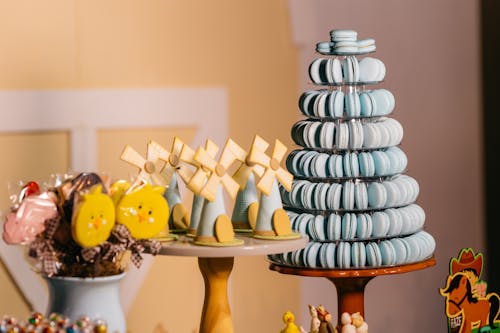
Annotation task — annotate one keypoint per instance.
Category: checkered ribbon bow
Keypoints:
(51, 226)
(123, 236)
(43, 250)
(108, 251)
(151, 246)
(91, 253)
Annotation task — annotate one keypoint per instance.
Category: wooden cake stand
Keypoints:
(216, 264)
(350, 283)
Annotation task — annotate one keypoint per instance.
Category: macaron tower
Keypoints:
(350, 193)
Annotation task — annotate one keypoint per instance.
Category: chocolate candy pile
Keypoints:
(54, 323)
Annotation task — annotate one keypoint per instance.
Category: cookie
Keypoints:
(356, 135)
(366, 164)
(400, 250)
(366, 45)
(358, 255)
(333, 196)
(324, 47)
(334, 227)
(352, 105)
(341, 35)
(381, 162)
(345, 47)
(381, 224)
(387, 252)
(362, 227)
(348, 195)
(377, 195)
(349, 225)
(350, 69)
(366, 105)
(371, 70)
(361, 195)
(314, 70)
(373, 255)
(342, 136)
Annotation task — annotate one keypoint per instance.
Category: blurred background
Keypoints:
(252, 58)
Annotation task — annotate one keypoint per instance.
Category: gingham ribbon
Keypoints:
(123, 236)
(90, 254)
(151, 246)
(112, 250)
(136, 258)
(42, 249)
(107, 250)
(51, 226)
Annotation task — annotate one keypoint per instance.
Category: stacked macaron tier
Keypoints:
(366, 225)
(313, 164)
(350, 193)
(328, 71)
(334, 104)
(352, 134)
(357, 255)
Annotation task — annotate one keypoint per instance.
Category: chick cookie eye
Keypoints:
(140, 207)
(150, 212)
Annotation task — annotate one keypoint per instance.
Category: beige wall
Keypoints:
(245, 47)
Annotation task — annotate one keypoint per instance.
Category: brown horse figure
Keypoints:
(476, 312)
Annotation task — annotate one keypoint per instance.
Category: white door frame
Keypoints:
(82, 113)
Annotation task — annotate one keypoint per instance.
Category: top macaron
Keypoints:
(345, 42)
(343, 36)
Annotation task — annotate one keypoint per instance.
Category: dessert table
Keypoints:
(215, 264)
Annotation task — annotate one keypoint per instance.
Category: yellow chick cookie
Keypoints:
(144, 211)
(93, 219)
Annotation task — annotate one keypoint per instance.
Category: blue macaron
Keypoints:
(345, 47)
(366, 164)
(362, 227)
(311, 254)
(343, 255)
(349, 226)
(334, 227)
(366, 45)
(400, 250)
(388, 253)
(352, 105)
(377, 195)
(381, 224)
(358, 254)
(373, 255)
(341, 35)
(382, 163)
(348, 195)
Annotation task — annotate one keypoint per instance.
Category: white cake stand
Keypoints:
(216, 264)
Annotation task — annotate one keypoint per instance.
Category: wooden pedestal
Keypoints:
(351, 283)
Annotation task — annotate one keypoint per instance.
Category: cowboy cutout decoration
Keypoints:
(469, 307)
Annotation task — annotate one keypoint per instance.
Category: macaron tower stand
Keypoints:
(350, 194)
